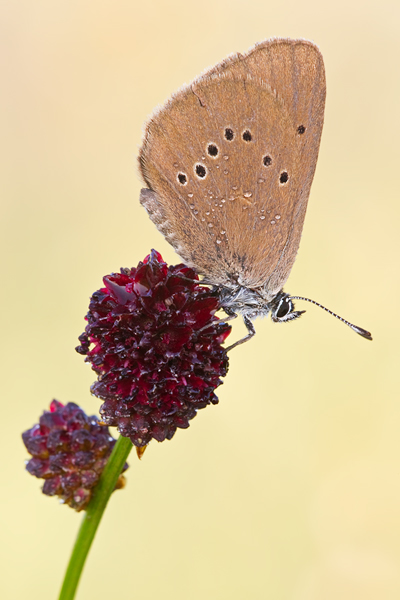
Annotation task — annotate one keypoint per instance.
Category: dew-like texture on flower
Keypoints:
(69, 450)
(155, 342)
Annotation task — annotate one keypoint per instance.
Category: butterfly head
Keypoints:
(282, 309)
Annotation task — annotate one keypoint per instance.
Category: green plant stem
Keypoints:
(93, 515)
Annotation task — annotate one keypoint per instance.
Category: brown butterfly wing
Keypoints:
(215, 158)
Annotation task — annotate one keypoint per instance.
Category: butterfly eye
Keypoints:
(267, 161)
(301, 129)
(285, 306)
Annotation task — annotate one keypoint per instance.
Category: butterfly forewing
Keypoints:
(229, 161)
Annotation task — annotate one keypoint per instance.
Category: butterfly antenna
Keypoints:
(365, 334)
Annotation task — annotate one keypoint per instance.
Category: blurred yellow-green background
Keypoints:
(289, 489)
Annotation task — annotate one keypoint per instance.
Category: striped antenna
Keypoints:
(365, 334)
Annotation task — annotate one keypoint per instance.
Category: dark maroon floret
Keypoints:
(69, 451)
(156, 345)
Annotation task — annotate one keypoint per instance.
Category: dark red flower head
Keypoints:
(70, 450)
(154, 341)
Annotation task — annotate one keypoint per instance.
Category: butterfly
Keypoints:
(228, 162)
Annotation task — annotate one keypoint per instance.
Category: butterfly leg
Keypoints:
(230, 317)
(250, 332)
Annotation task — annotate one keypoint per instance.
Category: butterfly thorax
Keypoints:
(243, 300)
